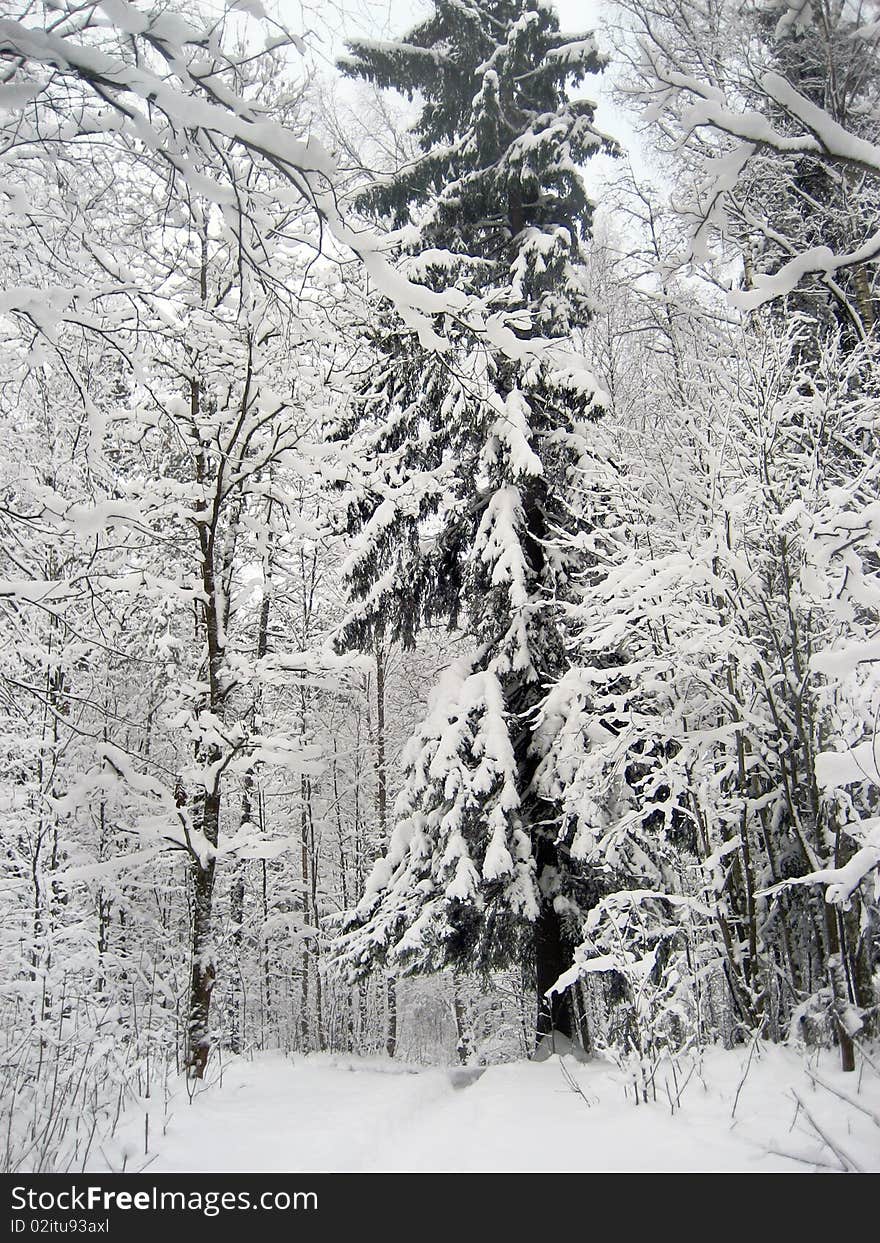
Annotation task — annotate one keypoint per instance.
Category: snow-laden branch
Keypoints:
(843, 881)
(818, 260)
(786, 125)
(178, 115)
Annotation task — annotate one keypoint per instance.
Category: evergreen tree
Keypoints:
(464, 496)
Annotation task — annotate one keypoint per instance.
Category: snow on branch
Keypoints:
(169, 98)
(819, 260)
(785, 125)
(843, 881)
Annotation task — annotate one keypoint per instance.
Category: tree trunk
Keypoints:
(306, 953)
(236, 915)
(391, 1017)
(381, 774)
(247, 811)
(863, 297)
(840, 987)
(382, 817)
(203, 970)
(203, 861)
(363, 1019)
(552, 957)
(462, 1044)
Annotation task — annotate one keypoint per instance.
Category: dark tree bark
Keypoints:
(204, 971)
(552, 957)
(203, 862)
(391, 1017)
(462, 1044)
(382, 817)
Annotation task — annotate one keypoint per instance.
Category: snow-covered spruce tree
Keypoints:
(465, 464)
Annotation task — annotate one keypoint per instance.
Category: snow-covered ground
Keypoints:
(331, 1113)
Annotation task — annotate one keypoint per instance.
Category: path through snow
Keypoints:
(325, 1113)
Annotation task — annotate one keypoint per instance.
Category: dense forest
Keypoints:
(439, 582)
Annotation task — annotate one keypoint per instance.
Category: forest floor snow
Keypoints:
(739, 1111)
